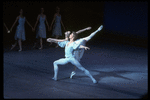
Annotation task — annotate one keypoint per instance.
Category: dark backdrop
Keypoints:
(129, 18)
(75, 16)
(124, 22)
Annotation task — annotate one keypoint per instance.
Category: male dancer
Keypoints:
(70, 46)
(79, 52)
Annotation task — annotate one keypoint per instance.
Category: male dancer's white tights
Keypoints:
(73, 61)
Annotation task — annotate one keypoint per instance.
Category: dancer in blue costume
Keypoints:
(20, 31)
(57, 25)
(78, 52)
(41, 29)
(70, 46)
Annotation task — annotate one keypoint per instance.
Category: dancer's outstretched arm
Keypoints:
(52, 22)
(29, 24)
(55, 40)
(14, 23)
(92, 34)
(80, 31)
(37, 21)
(47, 23)
(6, 26)
(61, 40)
(62, 24)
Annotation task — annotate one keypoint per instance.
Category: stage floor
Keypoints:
(121, 72)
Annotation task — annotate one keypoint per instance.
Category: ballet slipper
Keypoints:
(41, 48)
(20, 50)
(54, 78)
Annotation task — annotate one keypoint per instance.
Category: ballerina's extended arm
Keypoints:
(92, 34)
(82, 30)
(62, 24)
(55, 40)
(52, 22)
(61, 40)
(37, 21)
(29, 24)
(6, 26)
(47, 23)
(14, 23)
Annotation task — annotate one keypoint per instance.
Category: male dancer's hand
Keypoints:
(87, 48)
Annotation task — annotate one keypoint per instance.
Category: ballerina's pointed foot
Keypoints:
(100, 28)
(94, 81)
(54, 78)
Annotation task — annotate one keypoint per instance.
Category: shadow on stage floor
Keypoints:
(121, 72)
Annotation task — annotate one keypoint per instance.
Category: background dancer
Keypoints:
(79, 52)
(57, 25)
(20, 31)
(70, 46)
(41, 29)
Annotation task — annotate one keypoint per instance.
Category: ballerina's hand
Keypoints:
(88, 28)
(100, 28)
(49, 40)
(8, 31)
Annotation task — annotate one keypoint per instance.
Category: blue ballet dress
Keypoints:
(20, 31)
(41, 29)
(57, 27)
(80, 51)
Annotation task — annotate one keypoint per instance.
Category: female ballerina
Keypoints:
(57, 25)
(70, 46)
(20, 32)
(41, 29)
(79, 52)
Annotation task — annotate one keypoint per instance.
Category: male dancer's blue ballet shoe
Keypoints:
(72, 74)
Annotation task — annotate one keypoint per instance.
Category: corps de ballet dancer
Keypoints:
(79, 52)
(41, 29)
(20, 31)
(57, 24)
